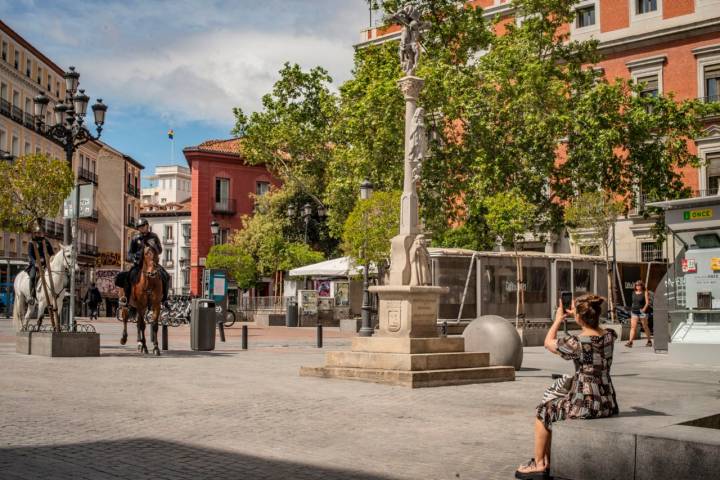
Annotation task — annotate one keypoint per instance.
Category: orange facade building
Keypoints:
(670, 46)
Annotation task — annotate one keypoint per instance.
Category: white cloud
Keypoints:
(190, 59)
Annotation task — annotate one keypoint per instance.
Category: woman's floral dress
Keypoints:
(589, 393)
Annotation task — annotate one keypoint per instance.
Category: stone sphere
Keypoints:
(498, 337)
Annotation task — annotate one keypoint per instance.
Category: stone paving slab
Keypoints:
(248, 414)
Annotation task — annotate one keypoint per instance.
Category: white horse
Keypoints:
(59, 265)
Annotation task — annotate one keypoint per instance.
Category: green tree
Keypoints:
(33, 188)
(291, 135)
(510, 215)
(370, 227)
(593, 214)
(238, 264)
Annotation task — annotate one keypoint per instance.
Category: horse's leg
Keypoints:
(141, 329)
(154, 331)
(140, 333)
(41, 305)
(124, 317)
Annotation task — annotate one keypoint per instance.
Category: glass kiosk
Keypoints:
(691, 294)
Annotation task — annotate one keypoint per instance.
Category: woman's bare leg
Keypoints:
(542, 449)
(646, 328)
(633, 329)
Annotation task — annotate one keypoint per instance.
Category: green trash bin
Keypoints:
(202, 324)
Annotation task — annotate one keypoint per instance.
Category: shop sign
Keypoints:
(702, 214)
(689, 265)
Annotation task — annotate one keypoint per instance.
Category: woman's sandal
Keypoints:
(649, 343)
(537, 475)
(629, 344)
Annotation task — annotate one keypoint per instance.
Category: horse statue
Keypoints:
(55, 274)
(146, 294)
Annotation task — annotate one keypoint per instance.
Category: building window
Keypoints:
(28, 67)
(646, 6)
(222, 191)
(261, 188)
(168, 254)
(3, 91)
(186, 277)
(586, 16)
(15, 148)
(4, 51)
(16, 99)
(712, 83)
(28, 149)
(16, 63)
(39, 75)
(650, 85)
(650, 252)
(57, 87)
(712, 169)
(3, 140)
(168, 232)
(590, 250)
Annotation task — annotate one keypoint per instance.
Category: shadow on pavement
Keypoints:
(153, 458)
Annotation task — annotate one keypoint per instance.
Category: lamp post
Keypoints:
(70, 132)
(366, 330)
(306, 213)
(215, 230)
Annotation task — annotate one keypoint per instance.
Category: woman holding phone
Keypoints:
(639, 311)
(589, 393)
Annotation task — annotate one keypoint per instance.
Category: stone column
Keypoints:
(400, 262)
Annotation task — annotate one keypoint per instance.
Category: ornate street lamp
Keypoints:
(215, 230)
(70, 132)
(366, 330)
(291, 211)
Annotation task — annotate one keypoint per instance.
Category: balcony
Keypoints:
(53, 229)
(710, 99)
(94, 216)
(168, 263)
(16, 114)
(87, 249)
(133, 190)
(85, 174)
(131, 222)
(29, 121)
(5, 107)
(225, 207)
(168, 241)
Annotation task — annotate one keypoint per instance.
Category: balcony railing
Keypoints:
(5, 107)
(132, 190)
(168, 263)
(710, 99)
(17, 114)
(706, 193)
(85, 174)
(168, 241)
(131, 222)
(53, 229)
(225, 207)
(87, 249)
(29, 120)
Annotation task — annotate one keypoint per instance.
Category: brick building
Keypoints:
(223, 189)
(671, 46)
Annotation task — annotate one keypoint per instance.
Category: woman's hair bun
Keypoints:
(588, 308)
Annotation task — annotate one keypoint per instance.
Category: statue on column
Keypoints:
(409, 17)
(418, 143)
(420, 262)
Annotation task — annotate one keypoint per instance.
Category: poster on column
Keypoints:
(87, 202)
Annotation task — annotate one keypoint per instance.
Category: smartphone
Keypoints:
(566, 299)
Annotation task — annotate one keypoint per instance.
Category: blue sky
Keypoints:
(184, 64)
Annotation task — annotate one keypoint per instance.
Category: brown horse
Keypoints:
(146, 295)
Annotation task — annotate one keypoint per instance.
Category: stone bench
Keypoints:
(640, 445)
(269, 319)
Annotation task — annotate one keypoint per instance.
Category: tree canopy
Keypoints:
(34, 187)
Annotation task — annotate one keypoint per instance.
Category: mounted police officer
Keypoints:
(38, 240)
(145, 238)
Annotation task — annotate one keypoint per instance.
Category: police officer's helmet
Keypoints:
(37, 231)
(142, 223)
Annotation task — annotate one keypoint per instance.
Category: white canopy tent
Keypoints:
(337, 267)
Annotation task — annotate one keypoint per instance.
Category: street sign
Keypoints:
(87, 202)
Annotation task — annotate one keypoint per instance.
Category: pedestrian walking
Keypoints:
(589, 393)
(92, 300)
(639, 310)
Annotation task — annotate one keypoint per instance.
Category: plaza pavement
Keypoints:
(233, 414)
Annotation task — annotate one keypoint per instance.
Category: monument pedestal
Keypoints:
(407, 351)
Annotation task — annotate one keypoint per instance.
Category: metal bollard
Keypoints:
(319, 336)
(244, 337)
(221, 329)
(164, 337)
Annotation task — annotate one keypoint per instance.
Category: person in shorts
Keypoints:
(639, 311)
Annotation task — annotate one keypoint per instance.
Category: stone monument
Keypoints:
(407, 350)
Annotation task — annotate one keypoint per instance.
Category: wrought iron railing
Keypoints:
(133, 190)
(86, 174)
(227, 206)
(710, 99)
(131, 222)
(168, 241)
(87, 249)
(53, 229)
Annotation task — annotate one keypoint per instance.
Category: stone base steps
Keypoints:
(414, 379)
(404, 361)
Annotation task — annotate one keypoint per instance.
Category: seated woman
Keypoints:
(587, 394)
